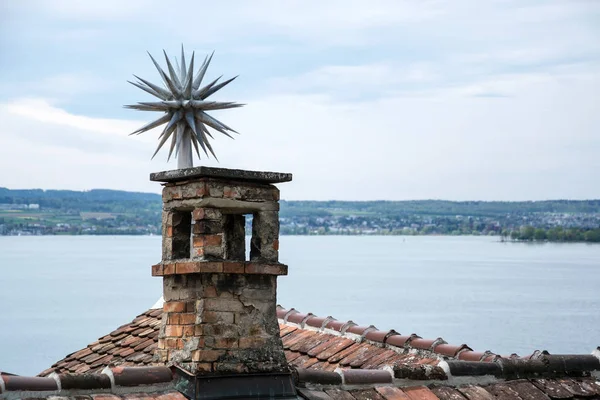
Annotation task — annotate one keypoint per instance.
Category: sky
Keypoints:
(360, 100)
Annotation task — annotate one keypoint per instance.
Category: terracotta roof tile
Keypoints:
(472, 392)
(392, 393)
(314, 394)
(447, 393)
(339, 394)
(502, 391)
(367, 394)
(335, 348)
(552, 388)
(360, 360)
(337, 357)
(577, 388)
(420, 393)
(527, 390)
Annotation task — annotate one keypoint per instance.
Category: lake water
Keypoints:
(60, 293)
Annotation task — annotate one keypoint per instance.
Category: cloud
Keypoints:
(360, 100)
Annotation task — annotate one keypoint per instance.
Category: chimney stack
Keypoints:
(219, 305)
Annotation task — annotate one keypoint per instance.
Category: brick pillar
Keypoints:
(220, 308)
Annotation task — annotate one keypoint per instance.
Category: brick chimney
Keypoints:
(220, 305)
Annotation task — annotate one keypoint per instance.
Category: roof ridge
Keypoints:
(117, 380)
(413, 343)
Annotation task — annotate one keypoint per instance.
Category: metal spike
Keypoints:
(187, 90)
(200, 92)
(189, 117)
(202, 71)
(158, 105)
(183, 67)
(141, 107)
(213, 105)
(173, 144)
(218, 87)
(201, 141)
(177, 115)
(172, 103)
(198, 122)
(148, 90)
(165, 136)
(164, 92)
(215, 123)
(172, 72)
(162, 120)
(172, 87)
(195, 143)
(209, 146)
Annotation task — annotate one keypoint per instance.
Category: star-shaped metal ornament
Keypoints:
(184, 105)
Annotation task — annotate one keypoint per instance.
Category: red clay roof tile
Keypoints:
(450, 350)
(366, 394)
(472, 392)
(379, 336)
(391, 393)
(420, 393)
(527, 390)
(339, 394)
(447, 393)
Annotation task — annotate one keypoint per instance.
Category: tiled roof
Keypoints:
(564, 389)
(132, 344)
(341, 360)
(309, 342)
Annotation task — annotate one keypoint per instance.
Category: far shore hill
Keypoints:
(113, 212)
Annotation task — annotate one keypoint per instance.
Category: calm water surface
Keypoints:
(60, 293)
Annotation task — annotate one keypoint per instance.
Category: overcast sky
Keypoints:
(460, 100)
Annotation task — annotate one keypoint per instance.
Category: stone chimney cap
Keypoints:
(185, 174)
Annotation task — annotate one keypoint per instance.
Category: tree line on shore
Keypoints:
(556, 234)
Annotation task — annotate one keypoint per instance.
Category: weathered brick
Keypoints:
(267, 269)
(172, 318)
(169, 269)
(230, 367)
(157, 270)
(174, 306)
(233, 267)
(207, 213)
(259, 294)
(203, 367)
(231, 192)
(207, 355)
(187, 319)
(209, 227)
(187, 268)
(211, 317)
(161, 355)
(221, 330)
(252, 342)
(210, 291)
(194, 190)
(215, 189)
(208, 240)
(219, 304)
(188, 330)
(174, 343)
(225, 343)
(209, 251)
(198, 330)
(212, 267)
(161, 344)
(174, 330)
